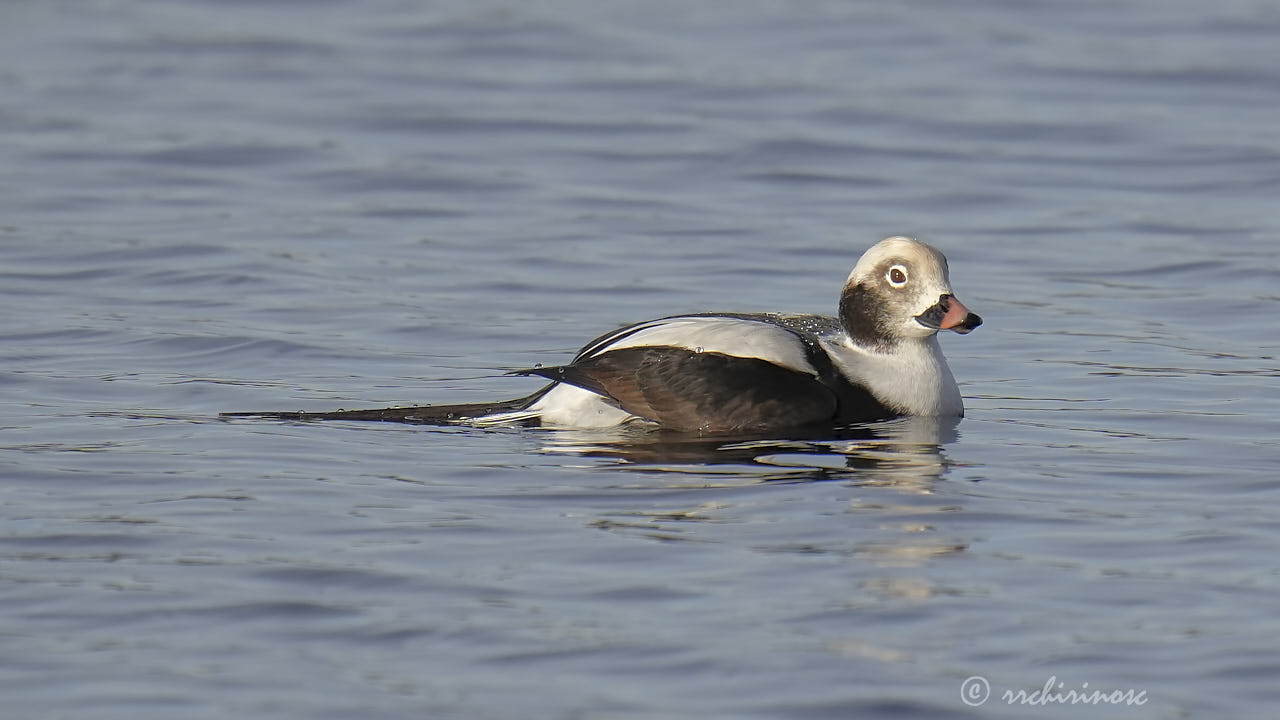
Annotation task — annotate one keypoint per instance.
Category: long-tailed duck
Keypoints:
(742, 373)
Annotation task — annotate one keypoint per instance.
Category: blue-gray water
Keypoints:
(210, 206)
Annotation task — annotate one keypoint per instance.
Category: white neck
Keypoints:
(911, 377)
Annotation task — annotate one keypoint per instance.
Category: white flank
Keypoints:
(573, 407)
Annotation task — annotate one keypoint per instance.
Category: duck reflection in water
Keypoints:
(896, 464)
(907, 452)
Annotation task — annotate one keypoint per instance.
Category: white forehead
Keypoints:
(923, 258)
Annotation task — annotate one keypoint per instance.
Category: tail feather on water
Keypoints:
(490, 413)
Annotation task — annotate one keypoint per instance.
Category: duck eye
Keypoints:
(897, 276)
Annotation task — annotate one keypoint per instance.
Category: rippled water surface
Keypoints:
(211, 206)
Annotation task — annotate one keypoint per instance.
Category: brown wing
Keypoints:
(682, 389)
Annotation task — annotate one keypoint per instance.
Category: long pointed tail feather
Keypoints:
(420, 415)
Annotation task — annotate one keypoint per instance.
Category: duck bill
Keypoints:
(959, 319)
(949, 314)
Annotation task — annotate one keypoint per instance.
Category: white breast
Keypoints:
(913, 378)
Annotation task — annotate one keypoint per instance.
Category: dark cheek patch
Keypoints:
(863, 317)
